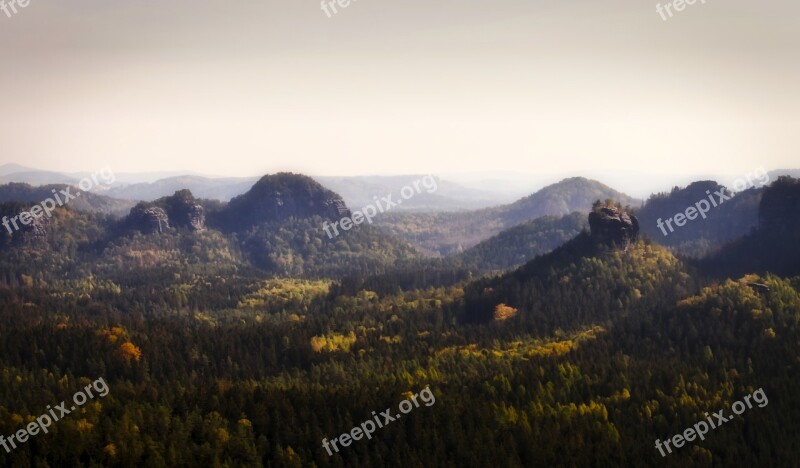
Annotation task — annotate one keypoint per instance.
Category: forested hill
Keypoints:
(450, 233)
(276, 227)
(559, 199)
(504, 251)
(773, 246)
(278, 197)
(597, 275)
(729, 220)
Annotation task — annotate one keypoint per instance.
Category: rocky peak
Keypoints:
(178, 210)
(183, 210)
(611, 225)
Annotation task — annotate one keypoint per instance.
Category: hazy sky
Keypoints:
(411, 86)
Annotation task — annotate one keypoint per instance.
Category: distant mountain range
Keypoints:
(454, 192)
(203, 187)
(278, 218)
(88, 201)
(357, 191)
(276, 226)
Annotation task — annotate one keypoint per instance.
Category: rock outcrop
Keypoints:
(178, 210)
(148, 219)
(34, 233)
(613, 226)
(196, 217)
(184, 211)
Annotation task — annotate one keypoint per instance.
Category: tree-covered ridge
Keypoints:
(170, 234)
(521, 243)
(602, 280)
(449, 233)
(301, 248)
(724, 222)
(772, 247)
(504, 251)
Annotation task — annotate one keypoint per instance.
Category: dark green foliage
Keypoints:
(727, 221)
(506, 250)
(609, 350)
(600, 282)
(450, 233)
(521, 243)
(300, 247)
(276, 198)
(773, 246)
(240, 385)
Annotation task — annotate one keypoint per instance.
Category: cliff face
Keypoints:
(196, 217)
(183, 210)
(148, 219)
(613, 226)
(178, 210)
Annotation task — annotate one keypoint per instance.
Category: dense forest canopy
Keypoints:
(552, 343)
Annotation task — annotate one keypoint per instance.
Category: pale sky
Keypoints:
(398, 87)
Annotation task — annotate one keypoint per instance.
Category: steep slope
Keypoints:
(728, 220)
(300, 248)
(595, 273)
(521, 243)
(773, 247)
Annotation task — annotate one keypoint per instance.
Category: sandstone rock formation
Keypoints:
(178, 210)
(148, 219)
(184, 211)
(613, 226)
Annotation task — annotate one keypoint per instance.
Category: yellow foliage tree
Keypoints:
(333, 343)
(130, 351)
(504, 312)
